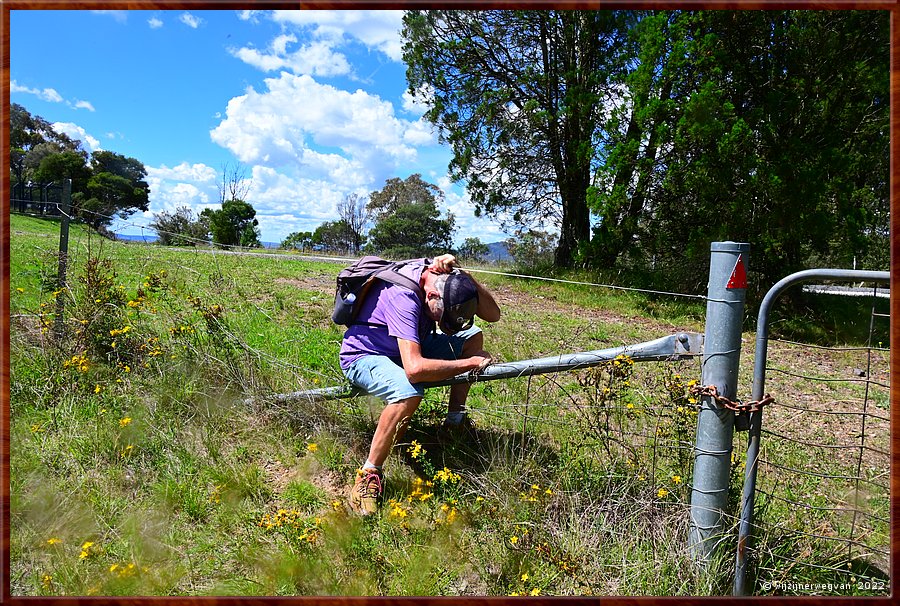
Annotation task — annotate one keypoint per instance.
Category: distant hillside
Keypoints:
(498, 252)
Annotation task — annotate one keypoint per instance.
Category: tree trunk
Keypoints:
(575, 226)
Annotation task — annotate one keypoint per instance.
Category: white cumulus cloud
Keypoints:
(50, 95)
(415, 104)
(376, 29)
(419, 133)
(316, 58)
(332, 133)
(89, 143)
(119, 16)
(194, 173)
(190, 20)
(154, 23)
(286, 204)
(45, 94)
(191, 185)
(248, 15)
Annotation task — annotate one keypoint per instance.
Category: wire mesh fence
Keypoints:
(626, 432)
(822, 524)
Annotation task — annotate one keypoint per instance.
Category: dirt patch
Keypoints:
(322, 284)
(331, 483)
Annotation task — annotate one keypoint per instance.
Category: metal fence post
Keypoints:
(715, 424)
(65, 205)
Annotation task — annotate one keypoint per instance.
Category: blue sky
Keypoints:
(313, 103)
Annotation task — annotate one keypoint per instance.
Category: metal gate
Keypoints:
(746, 526)
(36, 198)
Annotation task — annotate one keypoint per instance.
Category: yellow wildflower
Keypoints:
(97, 388)
(447, 476)
(20, 290)
(415, 449)
(662, 493)
(536, 591)
(216, 494)
(53, 541)
(124, 422)
(514, 539)
(676, 479)
(525, 577)
(47, 581)
(312, 447)
(86, 550)
(397, 510)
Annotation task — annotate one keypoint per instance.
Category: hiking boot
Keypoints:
(464, 430)
(364, 495)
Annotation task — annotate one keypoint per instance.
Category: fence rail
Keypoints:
(36, 198)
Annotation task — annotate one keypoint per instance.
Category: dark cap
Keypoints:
(460, 302)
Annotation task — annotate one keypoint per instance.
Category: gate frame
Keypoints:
(758, 390)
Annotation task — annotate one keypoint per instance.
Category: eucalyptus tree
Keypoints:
(408, 222)
(519, 96)
(354, 211)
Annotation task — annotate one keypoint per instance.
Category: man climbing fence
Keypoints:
(392, 346)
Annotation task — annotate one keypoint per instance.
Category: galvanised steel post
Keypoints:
(715, 424)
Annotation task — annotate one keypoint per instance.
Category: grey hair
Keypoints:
(440, 282)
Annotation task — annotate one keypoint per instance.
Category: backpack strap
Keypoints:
(391, 274)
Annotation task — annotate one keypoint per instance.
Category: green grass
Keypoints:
(146, 459)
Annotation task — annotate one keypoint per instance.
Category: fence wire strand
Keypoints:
(834, 507)
(653, 441)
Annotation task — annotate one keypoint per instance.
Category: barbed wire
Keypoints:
(794, 503)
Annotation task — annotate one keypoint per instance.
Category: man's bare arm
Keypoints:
(419, 369)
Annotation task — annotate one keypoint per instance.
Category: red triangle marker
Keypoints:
(738, 275)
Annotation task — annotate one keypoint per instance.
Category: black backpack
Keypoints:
(353, 284)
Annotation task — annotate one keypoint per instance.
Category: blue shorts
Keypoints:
(382, 377)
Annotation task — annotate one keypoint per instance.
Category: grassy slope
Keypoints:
(140, 469)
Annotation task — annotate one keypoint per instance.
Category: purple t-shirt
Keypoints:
(396, 312)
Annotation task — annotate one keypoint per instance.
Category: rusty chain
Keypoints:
(739, 407)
